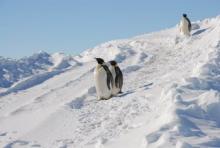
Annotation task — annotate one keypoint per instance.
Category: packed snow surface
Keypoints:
(171, 95)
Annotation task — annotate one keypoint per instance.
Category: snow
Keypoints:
(12, 71)
(170, 97)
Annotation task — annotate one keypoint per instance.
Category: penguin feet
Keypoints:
(120, 92)
(103, 99)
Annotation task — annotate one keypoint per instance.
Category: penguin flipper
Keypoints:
(109, 77)
(189, 24)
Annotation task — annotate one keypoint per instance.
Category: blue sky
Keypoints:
(71, 26)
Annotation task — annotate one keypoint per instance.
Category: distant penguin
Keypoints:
(117, 78)
(103, 80)
(185, 25)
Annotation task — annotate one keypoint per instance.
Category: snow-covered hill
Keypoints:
(29, 71)
(171, 96)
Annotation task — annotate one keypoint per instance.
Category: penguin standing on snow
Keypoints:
(185, 25)
(117, 78)
(103, 80)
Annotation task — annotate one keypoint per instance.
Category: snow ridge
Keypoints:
(29, 71)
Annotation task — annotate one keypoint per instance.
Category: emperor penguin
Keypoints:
(103, 80)
(117, 78)
(185, 25)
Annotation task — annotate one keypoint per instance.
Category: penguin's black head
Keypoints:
(184, 15)
(113, 63)
(100, 60)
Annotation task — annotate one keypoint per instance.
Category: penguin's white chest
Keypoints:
(103, 92)
(184, 27)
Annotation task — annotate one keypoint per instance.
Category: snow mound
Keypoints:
(32, 70)
(61, 61)
(121, 51)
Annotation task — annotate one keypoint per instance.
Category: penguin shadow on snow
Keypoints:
(179, 39)
(128, 92)
(199, 32)
(125, 93)
(79, 102)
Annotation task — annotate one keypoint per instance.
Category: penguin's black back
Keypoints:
(118, 78)
(189, 23)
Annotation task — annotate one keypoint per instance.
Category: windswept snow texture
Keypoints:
(170, 99)
(13, 70)
(27, 72)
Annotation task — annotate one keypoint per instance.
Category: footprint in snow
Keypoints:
(78, 103)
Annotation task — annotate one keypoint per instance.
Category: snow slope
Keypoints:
(29, 71)
(171, 97)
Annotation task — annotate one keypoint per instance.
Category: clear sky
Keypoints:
(71, 26)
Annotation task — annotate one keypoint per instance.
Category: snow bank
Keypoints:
(191, 107)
